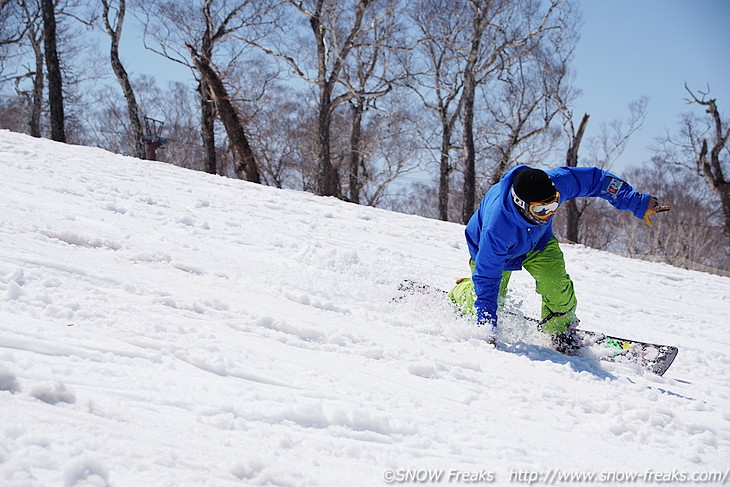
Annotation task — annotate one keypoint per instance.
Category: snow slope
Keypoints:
(163, 327)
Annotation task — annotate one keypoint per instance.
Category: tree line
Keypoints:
(416, 106)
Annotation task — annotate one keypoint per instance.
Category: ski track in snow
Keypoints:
(160, 326)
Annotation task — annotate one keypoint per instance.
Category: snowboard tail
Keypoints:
(650, 356)
(409, 287)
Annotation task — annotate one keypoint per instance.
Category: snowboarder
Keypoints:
(513, 229)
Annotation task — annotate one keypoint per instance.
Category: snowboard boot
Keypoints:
(567, 342)
(562, 330)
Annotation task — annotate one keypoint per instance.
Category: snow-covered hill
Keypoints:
(163, 327)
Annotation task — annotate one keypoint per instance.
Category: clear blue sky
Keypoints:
(630, 48)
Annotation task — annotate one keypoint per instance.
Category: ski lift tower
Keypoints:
(153, 137)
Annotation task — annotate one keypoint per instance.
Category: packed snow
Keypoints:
(164, 327)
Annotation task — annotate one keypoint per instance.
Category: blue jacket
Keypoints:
(498, 237)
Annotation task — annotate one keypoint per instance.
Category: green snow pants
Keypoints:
(553, 284)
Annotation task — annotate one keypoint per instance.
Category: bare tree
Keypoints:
(246, 165)
(207, 126)
(337, 27)
(107, 110)
(524, 98)
(417, 199)
(12, 29)
(390, 151)
(194, 34)
(690, 236)
(571, 160)
(331, 56)
(711, 157)
(25, 67)
(499, 33)
(53, 67)
(210, 36)
(177, 105)
(368, 76)
(113, 23)
(437, 78)
(603, 150)
(281, 135)
(32, 19)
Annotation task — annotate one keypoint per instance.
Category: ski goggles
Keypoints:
(539, 209)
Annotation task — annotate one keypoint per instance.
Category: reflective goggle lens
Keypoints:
(544, 209)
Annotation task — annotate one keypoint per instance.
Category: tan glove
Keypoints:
(654, 207)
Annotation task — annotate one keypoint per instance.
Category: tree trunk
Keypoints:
(444, 171)
(207, 127)
(135, 123)
(358, 109)
(246, 166)
(711, 168)
(479, 23)
(36, 107)
(207, 105)
(324, 164)
(722, 133)
(713, 173)
(571, 160)
(53, 68)
(469, 148)
(724, 191)
(327, 176)
(506, 155)
(330, 61)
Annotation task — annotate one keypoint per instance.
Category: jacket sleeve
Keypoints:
(575, 182)
(487, 275)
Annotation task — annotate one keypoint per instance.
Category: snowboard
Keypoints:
(650, 356)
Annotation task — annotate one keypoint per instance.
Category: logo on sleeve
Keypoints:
(614, 186)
